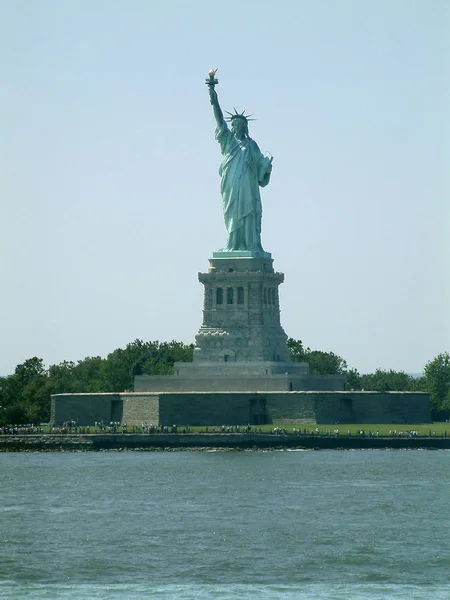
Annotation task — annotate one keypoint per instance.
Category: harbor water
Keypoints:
(362, 524)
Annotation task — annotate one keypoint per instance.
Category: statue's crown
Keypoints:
(238, 115)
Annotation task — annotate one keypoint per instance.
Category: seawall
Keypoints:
(97, 442)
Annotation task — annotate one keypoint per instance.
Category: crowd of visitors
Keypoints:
(72, 427)
(20, 430)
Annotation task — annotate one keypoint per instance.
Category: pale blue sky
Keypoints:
(109, 183)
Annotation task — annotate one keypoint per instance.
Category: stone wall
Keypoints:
(372, 407)
(291, 407)
(219, 382)
(204, 408)
(240, 408)
(54, 442)
(140, 408)
(85, 409)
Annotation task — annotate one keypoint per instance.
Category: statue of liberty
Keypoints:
(244, 169)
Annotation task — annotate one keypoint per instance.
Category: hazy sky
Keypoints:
(109, 186)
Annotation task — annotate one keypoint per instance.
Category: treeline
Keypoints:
(435, 379)
(25, 395)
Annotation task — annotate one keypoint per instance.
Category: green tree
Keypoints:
(89, 375)
(11, 408)
(386, 381)
(31, 369)
(119, 365)
(62, 377)
(437, 381)
(325, 363)
(23, 396)
(353, 380)
(138, 358)
(161, 357)
(296, 350)
(320, 363)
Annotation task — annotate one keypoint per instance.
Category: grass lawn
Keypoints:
(423, 429)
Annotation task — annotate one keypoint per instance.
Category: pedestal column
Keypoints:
(246, 328)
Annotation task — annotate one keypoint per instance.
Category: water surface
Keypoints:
(274, 524)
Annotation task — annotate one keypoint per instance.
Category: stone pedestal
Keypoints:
(241, 311)
(241, 345)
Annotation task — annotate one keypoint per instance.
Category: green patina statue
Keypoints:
(243, 170)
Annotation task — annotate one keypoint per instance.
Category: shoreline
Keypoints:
(205, 441)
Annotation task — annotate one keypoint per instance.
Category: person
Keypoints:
(244, 169)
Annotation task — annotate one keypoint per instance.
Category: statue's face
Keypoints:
(239, 127)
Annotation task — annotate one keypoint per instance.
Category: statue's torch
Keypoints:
(212, 81)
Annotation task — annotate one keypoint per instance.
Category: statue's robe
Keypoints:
(243, 170)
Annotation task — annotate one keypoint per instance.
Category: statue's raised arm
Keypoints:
(244, 170)
(213, 98)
